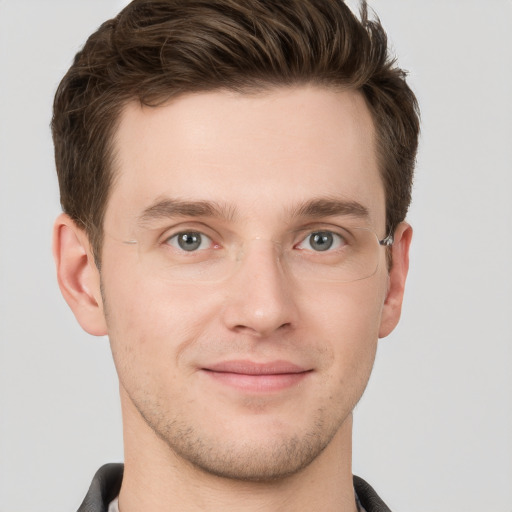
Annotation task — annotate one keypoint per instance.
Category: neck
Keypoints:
(157, 479)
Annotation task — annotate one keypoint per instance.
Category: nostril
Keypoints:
(260, 330)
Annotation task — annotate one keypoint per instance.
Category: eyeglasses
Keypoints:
(339, 254)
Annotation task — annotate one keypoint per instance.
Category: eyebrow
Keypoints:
(168, 208)
(314, 208)
(330, 207)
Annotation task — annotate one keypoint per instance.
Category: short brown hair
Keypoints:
(156, 49)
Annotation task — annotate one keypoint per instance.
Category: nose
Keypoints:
(260, 298)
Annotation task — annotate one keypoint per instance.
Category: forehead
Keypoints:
(257, 153)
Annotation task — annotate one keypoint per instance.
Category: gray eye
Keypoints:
(321, 240)
(188, 241)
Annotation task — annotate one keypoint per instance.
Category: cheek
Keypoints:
(347, 318)
(151, 321)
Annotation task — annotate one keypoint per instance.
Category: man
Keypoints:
(235, 177)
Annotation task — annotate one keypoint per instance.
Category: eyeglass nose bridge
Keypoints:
(242, 251)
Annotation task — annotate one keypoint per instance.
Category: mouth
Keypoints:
(249, 376)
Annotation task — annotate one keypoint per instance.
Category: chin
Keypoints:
(272, 460)
(265, 451)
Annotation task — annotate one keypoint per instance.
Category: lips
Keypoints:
(251, 376)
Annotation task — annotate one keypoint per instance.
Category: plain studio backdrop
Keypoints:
(433, 432)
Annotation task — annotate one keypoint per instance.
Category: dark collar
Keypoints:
(368, 497)
(106, 484)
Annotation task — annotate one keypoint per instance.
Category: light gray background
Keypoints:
(433, 432)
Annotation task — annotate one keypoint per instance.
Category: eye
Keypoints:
(189, 241)
(320, 241)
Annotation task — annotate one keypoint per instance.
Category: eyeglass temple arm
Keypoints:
(388, 241)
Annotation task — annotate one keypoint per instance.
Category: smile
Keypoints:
(257, 377)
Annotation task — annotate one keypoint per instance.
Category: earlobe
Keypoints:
(77, 275)
(397, 275)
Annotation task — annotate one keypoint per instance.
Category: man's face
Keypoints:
(252, 371)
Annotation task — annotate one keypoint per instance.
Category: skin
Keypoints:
(194, 438)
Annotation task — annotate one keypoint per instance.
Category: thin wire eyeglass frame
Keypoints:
(201, 275)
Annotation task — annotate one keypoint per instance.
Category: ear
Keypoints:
(397, 275)
(77, 275)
